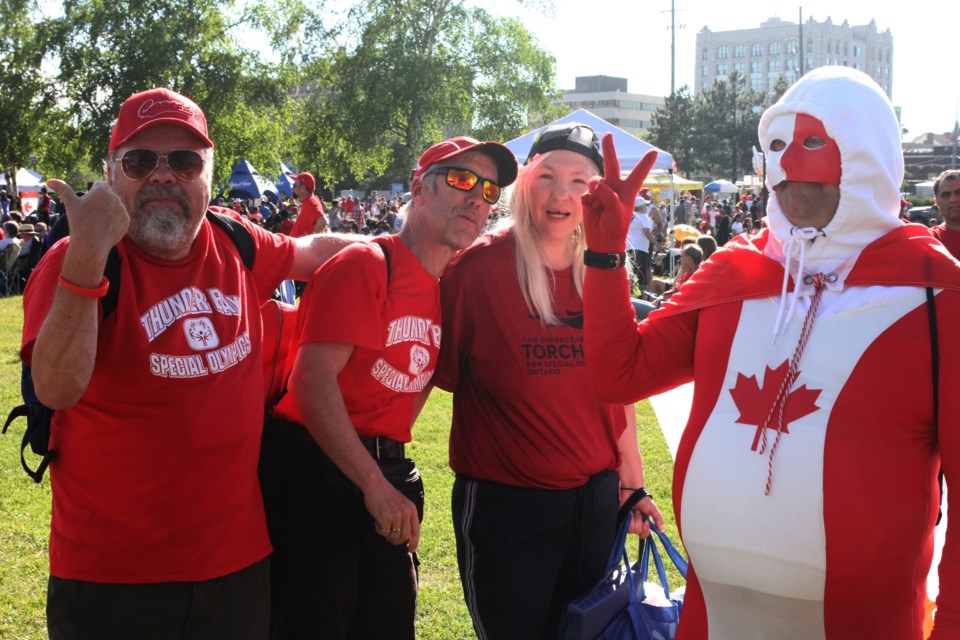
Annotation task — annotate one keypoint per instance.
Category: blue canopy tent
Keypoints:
(629, 147)
(246, 182)
(284, 183)
(721, 186)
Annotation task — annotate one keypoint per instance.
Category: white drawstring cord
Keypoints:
(798, 236)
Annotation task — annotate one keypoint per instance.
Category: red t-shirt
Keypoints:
(156, 474)
(524, 413)
(311, 210)
(379, 383)
(950, 239)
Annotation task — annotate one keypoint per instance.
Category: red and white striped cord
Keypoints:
(779, 403)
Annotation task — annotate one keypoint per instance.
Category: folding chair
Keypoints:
(9, 269)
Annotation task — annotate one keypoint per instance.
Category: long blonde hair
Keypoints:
(537, 282)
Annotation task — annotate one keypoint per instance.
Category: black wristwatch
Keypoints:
(604, 260)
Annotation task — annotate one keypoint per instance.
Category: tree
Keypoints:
(728, 114)
(711, 135)
(673, 128)
(514, 81)
(108, 51)
(419, 71)
(25, 99)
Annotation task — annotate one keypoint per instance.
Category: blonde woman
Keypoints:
(541, 463)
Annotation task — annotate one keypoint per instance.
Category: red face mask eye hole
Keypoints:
(814, 142)
(778, 145)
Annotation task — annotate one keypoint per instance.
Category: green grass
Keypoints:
(442, 615)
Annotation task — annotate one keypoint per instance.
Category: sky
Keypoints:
(631, 39)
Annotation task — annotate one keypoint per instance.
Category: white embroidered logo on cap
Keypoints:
(155, 108)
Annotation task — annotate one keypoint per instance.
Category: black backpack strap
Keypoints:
(935, 377)
(386, 257)
(238, 233)
(112, 272)
(36, 436)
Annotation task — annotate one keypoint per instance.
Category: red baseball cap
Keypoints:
(158, 106)
(307, 180)
(505, 160)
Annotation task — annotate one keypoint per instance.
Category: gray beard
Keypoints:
(163, 230)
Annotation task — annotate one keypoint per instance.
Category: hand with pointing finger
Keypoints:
(98, 219)
(608, 204)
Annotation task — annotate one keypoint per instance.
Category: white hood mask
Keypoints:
(857, 115)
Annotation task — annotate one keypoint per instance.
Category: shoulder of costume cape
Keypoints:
(908, 256)
(737, 271)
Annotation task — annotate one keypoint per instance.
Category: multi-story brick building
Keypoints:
(761, 55)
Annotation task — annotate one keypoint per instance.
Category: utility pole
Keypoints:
(673, 47)
(801, 44)
(956, 133)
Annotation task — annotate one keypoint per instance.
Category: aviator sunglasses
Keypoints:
(466, 180)
(139, 164)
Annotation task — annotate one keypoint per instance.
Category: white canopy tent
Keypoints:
(28, 180)
(630, 149)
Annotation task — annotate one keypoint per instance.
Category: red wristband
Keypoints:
(98, 292)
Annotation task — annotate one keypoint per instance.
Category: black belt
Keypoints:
(382, 448)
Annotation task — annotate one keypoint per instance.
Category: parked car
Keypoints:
(924, 215)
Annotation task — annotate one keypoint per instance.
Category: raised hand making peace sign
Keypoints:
(608, 204)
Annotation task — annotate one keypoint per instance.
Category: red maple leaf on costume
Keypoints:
(755, 402)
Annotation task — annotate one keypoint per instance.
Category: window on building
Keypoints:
(756, 66)
(829, 46)
(757, 84)
(706, 70)
(809, 63)
(857, 51)
(739, 51)
(793, 46)
(774, 48)
(705, 54)
(858, 66)
(722, 69)
(722, 53)
(740, 67)
(773, 66)
(756, 49)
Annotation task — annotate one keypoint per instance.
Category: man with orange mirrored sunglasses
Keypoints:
(357, 375)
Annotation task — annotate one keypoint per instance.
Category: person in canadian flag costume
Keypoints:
(806, 478)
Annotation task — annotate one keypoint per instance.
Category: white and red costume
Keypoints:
(825, 528)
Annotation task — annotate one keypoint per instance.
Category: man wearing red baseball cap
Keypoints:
(359, 369)
(158, 527)
(311, 218)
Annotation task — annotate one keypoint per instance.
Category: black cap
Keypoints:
(571, 136)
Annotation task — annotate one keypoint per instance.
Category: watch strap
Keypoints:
(604, 260)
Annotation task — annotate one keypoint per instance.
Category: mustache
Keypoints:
(151, 192)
